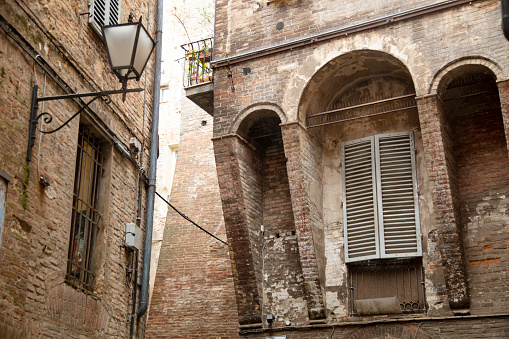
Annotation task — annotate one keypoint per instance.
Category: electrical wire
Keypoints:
(187, 218)
(417, 330)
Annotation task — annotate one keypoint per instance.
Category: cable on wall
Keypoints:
(187, 218)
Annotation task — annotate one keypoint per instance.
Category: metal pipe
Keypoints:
(505, 18)
(154, 140)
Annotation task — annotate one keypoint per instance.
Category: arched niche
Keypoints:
(360, 95)
(476, 153)
(353, 79)
(268, 209)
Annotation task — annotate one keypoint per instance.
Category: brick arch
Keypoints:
(394, 331)
(264, 106)
(472, 61)
(346, 71)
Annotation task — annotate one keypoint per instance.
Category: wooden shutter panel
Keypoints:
(360, 215)
(104, 12)
(397, 199)
(113, 12)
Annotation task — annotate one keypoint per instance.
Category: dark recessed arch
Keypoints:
(355, 78)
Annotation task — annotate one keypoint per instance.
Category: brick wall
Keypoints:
(481, 154)
(435, 328)
(193, 293)
(307, 78)
(242, 26)
(451, 246)
(35, 299)
(235, 214)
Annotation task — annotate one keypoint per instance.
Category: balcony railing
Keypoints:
(197, 59)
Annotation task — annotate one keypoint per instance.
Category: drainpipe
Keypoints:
(505, 18)
(154, 141)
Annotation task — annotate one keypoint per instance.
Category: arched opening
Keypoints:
(354, 81)
(363, 125)
(478, 160)
(267, 200)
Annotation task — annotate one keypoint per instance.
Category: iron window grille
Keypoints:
(380, 211)
(85, 216)
(102, 13)
(400, 278)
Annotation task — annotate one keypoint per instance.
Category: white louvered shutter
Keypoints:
(104, 12)
(360, 215)
(397, 204)
(380, 211)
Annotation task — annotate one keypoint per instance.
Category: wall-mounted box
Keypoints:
(132, 236)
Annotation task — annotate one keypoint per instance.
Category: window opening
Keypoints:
(165, 93)
(85, 216)
(4, 181)
(382, 229)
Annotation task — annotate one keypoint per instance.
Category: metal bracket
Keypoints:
(34, 118)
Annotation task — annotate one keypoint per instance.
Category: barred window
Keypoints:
(85, 216)
(104, 12)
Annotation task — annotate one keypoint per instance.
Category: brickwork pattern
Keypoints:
(284, 287)
(434, 329)
(420, 47)
(237, 227)
(480, 144)
(451, 245)
(193, 293)
(299, 156)
(256, 24)
(35, 300)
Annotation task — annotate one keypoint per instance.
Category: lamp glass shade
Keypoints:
(143, 50)
(120, 43)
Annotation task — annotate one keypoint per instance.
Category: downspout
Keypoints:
(505, 18)
(154, 141)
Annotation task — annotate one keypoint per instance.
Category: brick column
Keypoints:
(235, 218)
(440, 166)
(503, 92)
(303, 218)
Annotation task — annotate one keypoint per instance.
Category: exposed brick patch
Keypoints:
(34, 298)
(486, 262)
(451, 245)
(299, 152)
(194, 293)
(235, 214)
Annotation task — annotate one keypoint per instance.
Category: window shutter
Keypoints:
(104, 12)
(380, 211)
(397, 203)
(360, 206)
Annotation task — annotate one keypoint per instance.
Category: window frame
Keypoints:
(379, 228)
(111, 17)
(165, 93)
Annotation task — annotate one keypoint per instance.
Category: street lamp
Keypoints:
(128, 47)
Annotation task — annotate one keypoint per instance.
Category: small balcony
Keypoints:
(198, 77)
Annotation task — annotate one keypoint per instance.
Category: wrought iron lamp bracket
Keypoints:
(34, 118)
